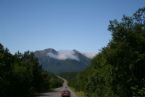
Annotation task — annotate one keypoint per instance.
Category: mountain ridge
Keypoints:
(62, 60)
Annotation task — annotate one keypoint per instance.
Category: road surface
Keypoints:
(57, 91)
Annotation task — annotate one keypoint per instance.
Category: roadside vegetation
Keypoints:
(78, 93)
(119, 68)
(22, 76)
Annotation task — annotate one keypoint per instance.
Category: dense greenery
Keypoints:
(119, 69)
(22, 76)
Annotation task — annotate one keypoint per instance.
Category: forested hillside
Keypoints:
(22, 76)
(119, 69)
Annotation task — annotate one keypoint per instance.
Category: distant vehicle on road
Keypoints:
(65, 93)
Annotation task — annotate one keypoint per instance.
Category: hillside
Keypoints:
(62, 61)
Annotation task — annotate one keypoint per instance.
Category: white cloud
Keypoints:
(90, 54)
(63, 55)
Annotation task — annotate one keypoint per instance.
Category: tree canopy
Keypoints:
(119, 68)
(21, 75)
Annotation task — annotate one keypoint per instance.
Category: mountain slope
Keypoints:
(62, 61)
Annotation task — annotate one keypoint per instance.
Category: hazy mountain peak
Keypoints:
(89, 54)
(62, 60)
(50, 50)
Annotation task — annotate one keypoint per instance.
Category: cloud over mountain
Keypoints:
(90, 54)
(63, 60)
(63, 55)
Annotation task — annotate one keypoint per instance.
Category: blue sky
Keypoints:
(60, 24)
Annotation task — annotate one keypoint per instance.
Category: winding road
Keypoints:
(57, 92)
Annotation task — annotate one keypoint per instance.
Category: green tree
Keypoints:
(118, 70)
(21, 75)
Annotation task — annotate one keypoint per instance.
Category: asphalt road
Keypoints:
(57, 92)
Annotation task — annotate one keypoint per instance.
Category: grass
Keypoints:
(78, 93)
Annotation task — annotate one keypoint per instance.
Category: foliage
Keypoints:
(22, 76)
(118, 70)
